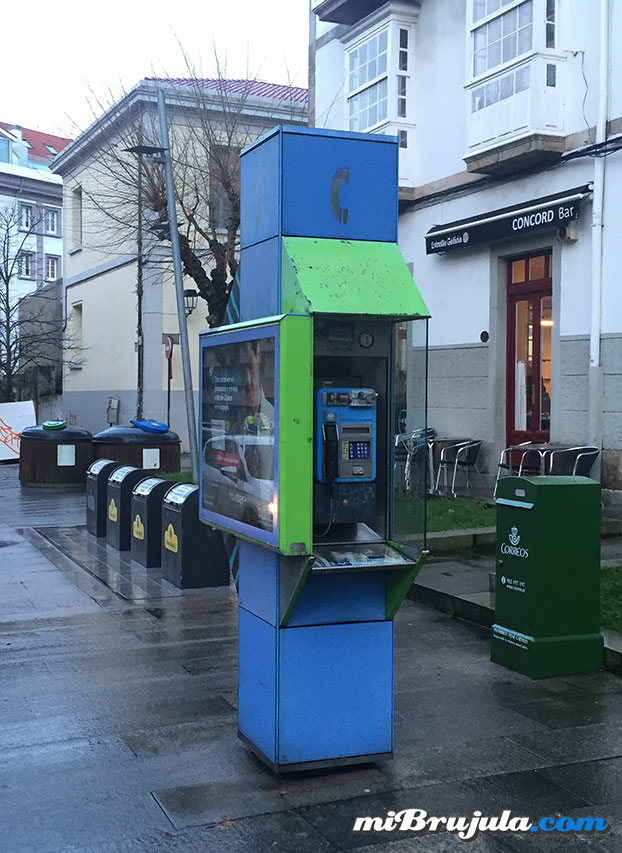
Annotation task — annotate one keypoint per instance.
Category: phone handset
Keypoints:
(341, 177)
(330, 439)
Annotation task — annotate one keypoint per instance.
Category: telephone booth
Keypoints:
(301, 412)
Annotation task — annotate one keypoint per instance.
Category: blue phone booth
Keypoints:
(300, 407)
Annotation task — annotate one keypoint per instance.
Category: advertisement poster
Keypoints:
(14, 417)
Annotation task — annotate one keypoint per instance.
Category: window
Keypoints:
(402, 135)
(25, 217)
(368, 61)
(76, 335)
(51, 221)
(500, 89)
(76, 217)
(550, 23)
(26, 265)
(52, 150)
(52, 267)
(503, 38)
(377, 74)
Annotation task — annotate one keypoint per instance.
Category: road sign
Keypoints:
(168, 347)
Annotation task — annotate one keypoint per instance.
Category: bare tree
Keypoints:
(31, 340)
(211, 120)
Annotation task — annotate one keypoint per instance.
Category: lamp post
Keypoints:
(140, 150)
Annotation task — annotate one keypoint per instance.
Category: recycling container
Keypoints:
(130, 445)
(547, 616)
(119, 496)
(193, 554)
(146, 543)
(97, 495)
(51, 458)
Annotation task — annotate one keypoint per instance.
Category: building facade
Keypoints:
(101, 255)
(509, 116)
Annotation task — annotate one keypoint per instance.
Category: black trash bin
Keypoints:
(146, 516)
(119, 496)
(52, 458)
(97, 495)
(193, 554)
(130, 445)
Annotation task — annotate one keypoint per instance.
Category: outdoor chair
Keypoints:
(411, 452)
(506, 462)
(460, 457)
(573, 461)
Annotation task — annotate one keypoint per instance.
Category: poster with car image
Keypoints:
(238, 417)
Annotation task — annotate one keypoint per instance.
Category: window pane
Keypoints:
(492, 6)
(518, 271)
(509, 22)
(492, 93)
(546, 323)
(525, 13)
(372, 69)
(551, 75)
(382, 64)
(506, 87)
(523, 366)
(494, 55)
(494, 30)
(537, 267)
(403, 61)
(550, 10)
(550, 35)
(521, 83)
(479, 9)
(479, 39)
(509, 47)
(404, 38)
(477, 100)
(382, 41)
(525, 40)
(403, 138)
(479, 63)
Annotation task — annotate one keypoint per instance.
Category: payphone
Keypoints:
(329, 541)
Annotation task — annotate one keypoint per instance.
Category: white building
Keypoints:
(509, 114)
(28, 187)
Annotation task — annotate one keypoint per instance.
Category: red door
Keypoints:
(528, 402)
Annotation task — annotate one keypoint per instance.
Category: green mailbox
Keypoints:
(547, 616)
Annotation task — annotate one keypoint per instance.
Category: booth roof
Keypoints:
(323, 276)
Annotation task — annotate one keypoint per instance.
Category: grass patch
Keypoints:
(458, 514)
(178, 477)
(611, 597)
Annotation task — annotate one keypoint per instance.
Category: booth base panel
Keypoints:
(316, 693)
(547, 657)
(313, 765)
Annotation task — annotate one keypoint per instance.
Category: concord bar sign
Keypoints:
(548, 212)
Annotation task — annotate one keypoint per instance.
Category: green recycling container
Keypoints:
(547, 614)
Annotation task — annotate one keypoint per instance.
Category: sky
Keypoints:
(58, 61)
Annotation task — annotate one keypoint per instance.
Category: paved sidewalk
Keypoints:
(118, 729)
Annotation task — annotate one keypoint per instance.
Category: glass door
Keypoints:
(528, 406)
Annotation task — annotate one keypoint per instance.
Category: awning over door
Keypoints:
(545, 213)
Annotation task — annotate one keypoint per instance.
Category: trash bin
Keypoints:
(146, 545)
(97, 495)
(119, 496)
(547, 615)
(130, 445)
(193, 554)
(52, 457)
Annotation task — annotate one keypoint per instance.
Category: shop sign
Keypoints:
(550, 212)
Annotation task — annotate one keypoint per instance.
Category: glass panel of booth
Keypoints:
(410, 445)
(239, 428)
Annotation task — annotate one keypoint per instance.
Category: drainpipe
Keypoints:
(595, 375)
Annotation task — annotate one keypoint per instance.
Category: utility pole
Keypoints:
(179, 287)
(139, 294)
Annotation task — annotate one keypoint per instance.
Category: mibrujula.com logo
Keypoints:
(418, 822)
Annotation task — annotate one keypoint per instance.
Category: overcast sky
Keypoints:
(53, 54)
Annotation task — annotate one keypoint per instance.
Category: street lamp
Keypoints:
(140, 150)
(191, 300)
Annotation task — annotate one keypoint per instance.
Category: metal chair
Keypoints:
(506, 462)
(461, 456)
(411, 450)
(573, 461)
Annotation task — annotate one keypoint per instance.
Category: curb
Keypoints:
(485, 537)
(481, 614)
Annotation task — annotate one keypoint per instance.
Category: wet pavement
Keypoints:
(118, 726)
